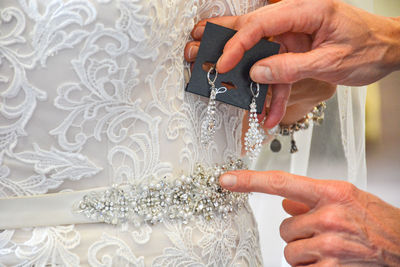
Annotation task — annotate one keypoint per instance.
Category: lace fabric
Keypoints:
(92, 95)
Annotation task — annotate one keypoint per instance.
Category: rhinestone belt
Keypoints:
(198, 194)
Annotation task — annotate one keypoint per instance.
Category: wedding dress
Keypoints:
(92, 95)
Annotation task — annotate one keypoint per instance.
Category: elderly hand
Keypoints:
(349, 46)
(285, 103)
(333, 223)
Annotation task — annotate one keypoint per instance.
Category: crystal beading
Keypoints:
(189, 196)
(255, 134)
(209, 124)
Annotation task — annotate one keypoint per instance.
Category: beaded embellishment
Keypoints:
(189, 196)
(255, 134)
(209, 124)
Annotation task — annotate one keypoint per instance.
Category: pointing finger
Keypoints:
(298, 188)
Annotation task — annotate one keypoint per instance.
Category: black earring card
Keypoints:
(211, 47)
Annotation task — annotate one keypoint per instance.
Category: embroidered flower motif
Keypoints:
(120, 104)
(122, 256)
(218, 241)
(50, 245)
(52, 168)
(50, 34)
(182, 253)
(7, 247)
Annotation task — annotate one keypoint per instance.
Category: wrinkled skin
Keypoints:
(333, 223)
(284, 105)
(326, 40)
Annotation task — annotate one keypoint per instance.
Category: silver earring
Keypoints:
(255, 134)
(209, 124)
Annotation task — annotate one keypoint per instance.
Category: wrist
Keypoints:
(316, 115)
(397, 22)
(306, 94)
(296, 113)
(392, 40)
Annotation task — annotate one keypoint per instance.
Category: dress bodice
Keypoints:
(93, 93)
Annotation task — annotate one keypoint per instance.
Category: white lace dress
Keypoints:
(92, 94)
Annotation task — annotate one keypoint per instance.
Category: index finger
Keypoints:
(298, 188)
(268, 21)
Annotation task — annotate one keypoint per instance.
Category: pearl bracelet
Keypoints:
(315, 116)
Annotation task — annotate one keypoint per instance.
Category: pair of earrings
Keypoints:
(254, 136)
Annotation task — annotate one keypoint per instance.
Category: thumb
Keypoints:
(286, 68)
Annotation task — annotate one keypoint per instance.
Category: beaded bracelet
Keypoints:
(315, 116)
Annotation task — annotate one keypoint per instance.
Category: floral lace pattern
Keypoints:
(92, 94)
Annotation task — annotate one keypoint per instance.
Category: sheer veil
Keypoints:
(333, 150)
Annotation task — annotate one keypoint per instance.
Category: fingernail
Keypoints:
(198, 32)
(193, 51)
(261, 73)
(228, 180)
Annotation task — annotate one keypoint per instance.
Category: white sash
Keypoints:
(43, 210)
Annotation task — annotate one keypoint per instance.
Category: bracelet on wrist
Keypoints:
(316, 116)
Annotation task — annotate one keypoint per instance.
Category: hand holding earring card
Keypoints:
(211, 47)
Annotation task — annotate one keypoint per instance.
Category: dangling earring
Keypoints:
(255, 134)
(208, 125)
